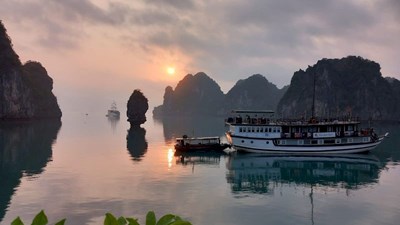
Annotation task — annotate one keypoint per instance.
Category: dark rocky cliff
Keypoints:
(348, 86)
(200, 95)
(25, 90)
(194, 95)
(253, 93)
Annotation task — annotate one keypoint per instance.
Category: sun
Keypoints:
(171, 70)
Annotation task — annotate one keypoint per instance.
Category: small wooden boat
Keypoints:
(186, 143)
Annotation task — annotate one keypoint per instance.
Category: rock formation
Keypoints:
(136, 108)
(201, 95)
(25, 90)
(194, 95)
(350, 86)
(253, 93)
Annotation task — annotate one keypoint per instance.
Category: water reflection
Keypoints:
(25, 149)
(260, 174)
(388, 150)
(113, 122)
(205, 158)
(192, 159)
(174, 127)
(136, 142)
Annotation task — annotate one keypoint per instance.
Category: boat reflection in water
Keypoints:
(255, 173)
(204, 158)
(113, 122)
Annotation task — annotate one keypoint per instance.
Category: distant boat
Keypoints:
(113, 112)
(186, 143)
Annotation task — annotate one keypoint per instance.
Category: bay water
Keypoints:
(89, 165)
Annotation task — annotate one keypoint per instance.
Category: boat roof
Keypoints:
(198, 138)
(239, 111)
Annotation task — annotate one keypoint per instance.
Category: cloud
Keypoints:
(220, 36)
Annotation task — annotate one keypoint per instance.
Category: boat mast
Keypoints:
(313, 99)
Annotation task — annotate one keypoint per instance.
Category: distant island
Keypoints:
(350, 86)
(200, 95)
(25, 89)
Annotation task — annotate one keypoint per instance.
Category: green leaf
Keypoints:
(177, 218)
(61, 222)
(166, 220)
(181, 222)
(132, 221)
(17, 221)
(110, 219)
(40, 219)
(121, 220)
(151, 218)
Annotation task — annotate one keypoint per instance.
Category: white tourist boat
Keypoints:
(257, 131)
(113, 112)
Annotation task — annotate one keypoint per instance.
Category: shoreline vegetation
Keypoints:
(110, 219)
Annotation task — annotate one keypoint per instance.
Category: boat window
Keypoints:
(323, 129)
(274, 129)
(279, 130)
(270, 129)
(252, 129)
(329, 141)
(240, 129)
(350, 140)
(314, 142)
(312, 129)
(300, 142)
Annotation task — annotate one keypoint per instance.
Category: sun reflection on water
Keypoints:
(170, 157)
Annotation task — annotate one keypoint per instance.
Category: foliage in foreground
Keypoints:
(110, 219)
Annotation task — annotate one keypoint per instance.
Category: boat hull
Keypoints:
(201, 148)
(265, 145)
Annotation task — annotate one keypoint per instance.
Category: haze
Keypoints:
(98, 51)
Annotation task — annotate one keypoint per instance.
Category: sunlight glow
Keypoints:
(170, 157)
(171, 70)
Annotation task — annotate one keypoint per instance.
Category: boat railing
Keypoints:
(341, 134)
(291, 122)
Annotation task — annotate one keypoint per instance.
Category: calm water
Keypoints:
(89, 166)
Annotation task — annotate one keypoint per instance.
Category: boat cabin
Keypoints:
(197, 141)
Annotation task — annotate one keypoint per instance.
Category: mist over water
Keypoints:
(90, 165)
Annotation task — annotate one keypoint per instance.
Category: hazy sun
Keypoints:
(171, 70)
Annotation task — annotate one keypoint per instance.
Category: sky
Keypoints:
(99, 51)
